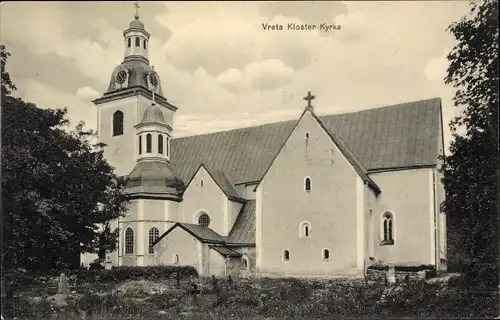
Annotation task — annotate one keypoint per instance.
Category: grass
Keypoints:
(257, 299)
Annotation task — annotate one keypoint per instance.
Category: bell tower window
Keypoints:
(137, 42)
(129, 42)
(160, 144)
(117, 123)
(149, 143)
(140, 144)
(144, 44)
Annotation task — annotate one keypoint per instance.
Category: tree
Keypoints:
(7, 85)
(56, 187)
(470, 172)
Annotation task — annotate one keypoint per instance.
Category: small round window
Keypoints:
(204, 220)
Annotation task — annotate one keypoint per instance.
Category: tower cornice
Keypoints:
(132, 92)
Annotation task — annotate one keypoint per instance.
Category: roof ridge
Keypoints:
(401, 104)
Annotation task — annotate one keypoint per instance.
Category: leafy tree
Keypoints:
(7, 85)
(56, 187)
(471, 170)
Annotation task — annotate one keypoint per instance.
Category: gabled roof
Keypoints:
(226, 252)
(222, 182)
(243, 231)
(203, 234)
(393, 137)
(358, 167)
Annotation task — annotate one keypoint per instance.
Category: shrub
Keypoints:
(385, 267)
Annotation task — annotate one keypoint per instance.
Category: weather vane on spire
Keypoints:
(136, 4)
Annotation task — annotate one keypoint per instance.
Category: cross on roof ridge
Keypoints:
(309, 98)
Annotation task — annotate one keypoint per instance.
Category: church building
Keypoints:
(318, 196)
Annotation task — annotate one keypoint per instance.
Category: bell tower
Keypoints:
(133, 87)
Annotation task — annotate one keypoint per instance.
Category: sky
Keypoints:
(220, 67)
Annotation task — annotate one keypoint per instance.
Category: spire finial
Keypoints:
(136, 4)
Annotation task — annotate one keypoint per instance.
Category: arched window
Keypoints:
(286, 255)
(129, 40)
(204, 220)
(149, 143)
(307, 135)
(245, 263)
(304, 229)
(168, 146)
(154, 234)
(307, 184)
(144, 44)
(129, 241)
(137, 42)
(140, 144)
(201, 183)
(117, 123)
(176, 258)
(326, 254)
(387, 228)
(160, 144)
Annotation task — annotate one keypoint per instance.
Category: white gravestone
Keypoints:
(391, 275)
(63, 287)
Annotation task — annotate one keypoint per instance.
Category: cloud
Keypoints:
(48, 97)
(87, 93)
(264, 75)
(215, 58)
(271, 74)
(232, 79)
(436, 68)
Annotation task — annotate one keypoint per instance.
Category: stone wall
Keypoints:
(381, 276)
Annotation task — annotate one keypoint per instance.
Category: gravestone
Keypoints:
(391, 275)
(107, 265)
(63, 287)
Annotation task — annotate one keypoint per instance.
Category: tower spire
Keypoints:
(136, 4)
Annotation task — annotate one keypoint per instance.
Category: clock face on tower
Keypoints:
(153, 81)
(121, 77)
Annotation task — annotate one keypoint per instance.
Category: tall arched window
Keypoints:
(304, 229)
(286, 255)
(154, 234)
(117, 123)
(137, 42)
(326, 254)
(140, 144)
(149, 143)
(160, 144)
(176, 258)
(144, 44)
(168, 146)
(307, 184)
(387, 228)
(245, 263)
(129, 40)
(204, 220)
(129, 241)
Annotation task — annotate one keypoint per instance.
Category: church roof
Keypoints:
(243, 231)
(392, 137)
(201, 233)
(221, 180)
(136, 24)
(138, 69)
(154, 177)
(226, 252)
(153, 114)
